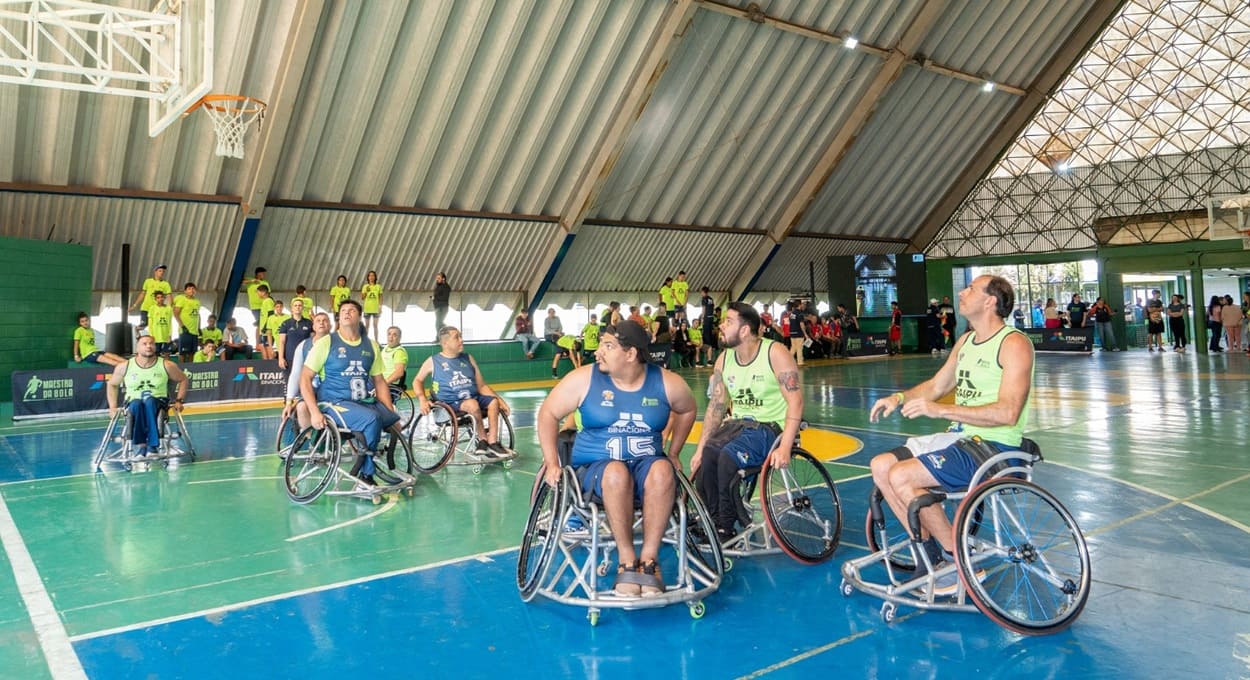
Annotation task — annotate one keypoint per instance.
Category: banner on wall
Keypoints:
(867, 344)
(55, 392)
(1061, 339)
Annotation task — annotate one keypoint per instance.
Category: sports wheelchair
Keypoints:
(567, 547)
(445, 436)
(289, 426)
(797, 511)
(117, 448)
(1019, 555)
(329, 462)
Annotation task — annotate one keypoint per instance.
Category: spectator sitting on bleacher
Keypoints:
(682, 346)
(85, 349)
(206, 353)
(525, 333)
(161, 324)
(660, 329)
(234, 342)
(211, 332)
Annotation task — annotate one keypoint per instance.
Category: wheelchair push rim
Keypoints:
(312, 463)
(802, 508)
(432, 438)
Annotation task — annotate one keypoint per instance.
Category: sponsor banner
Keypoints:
(70, 390)
(660, 354)
(867, 344)
(1061, 339)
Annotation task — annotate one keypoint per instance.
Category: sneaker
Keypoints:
(482, 450)
(574, 525)
(500, 450)
(625, 587)
(656, 587)
(1150, 349)
(554, 374)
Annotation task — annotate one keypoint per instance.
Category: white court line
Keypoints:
(284, 596)
(232, 479)
(390, 503)
(53, 640)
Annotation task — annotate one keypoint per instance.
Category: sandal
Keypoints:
(628, 583)
(653, 581)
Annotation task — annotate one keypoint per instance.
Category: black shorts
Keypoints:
(1154, 327)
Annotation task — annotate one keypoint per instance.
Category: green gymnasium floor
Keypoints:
(206, 569)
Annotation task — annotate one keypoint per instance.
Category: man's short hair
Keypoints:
(397, 330)
(446, 331)
(748, 315)
(1004, 295)
(631, 334)
(351, 302)
(231, 320)
(262, 287)
(259, 271)
(83, 315)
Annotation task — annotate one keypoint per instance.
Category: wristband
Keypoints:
(901, 398)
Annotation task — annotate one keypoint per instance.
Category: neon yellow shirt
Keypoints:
(85, 337)
(590, 337)
(392, 357)
(188, 313)
(161, 323)
(371, 297)
(253, 298)
(202, 357)
(666, 296)
(337, 295)
(681, 291)
(150, 287)
(308, 305)
(212, 333)
(266, 308)
(273, 323)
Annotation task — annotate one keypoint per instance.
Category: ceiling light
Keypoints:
(850, 42)
(988, 86)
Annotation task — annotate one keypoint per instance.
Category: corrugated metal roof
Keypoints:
(735, 125)
(927, 128)
(310, 247)
(630, 259)
(196, 239)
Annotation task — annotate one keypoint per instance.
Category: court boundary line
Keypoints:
(54, 641)
(236, 606)
(391, 502)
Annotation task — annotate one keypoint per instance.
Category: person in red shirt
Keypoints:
(896, 329)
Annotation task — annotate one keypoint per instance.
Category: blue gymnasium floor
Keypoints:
(206, 570)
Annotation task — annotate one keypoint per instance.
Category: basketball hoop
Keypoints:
(232, 115)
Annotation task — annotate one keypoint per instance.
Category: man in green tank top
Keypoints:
(991, 373)
(146, 377)
(757, 382)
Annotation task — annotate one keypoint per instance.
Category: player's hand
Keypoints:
(551, 475)
(425, 407)
(780, 457)
(883, 407)
(317, 419)
(916, 408)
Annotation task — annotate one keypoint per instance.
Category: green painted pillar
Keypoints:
(1198, 305)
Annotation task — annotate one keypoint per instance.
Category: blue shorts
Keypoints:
(188, 343)
(483, 402)
(369, 419)
(93, 358)
(747, 442)
(590, 475)
(953, 467)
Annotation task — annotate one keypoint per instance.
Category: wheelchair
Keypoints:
(1019, 555)
(117, 448)
(445, 436)
(288, 428)
(328, 462)
(567, 548)
(798, 511)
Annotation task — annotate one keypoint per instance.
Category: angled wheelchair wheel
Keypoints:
(312, 463)
(404, 406)
(1021, 556)
(886, 533)
(114, 437)
(801, 508)
(433, 438)
(288, 428)
(395, 454)
(706, 555)
(541, 539)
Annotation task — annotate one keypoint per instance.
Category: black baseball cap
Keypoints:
(631, 334)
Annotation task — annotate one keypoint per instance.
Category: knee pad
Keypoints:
(901, 453)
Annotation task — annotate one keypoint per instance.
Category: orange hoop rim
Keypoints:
(230, 103)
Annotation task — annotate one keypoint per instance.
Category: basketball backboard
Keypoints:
(190, 51)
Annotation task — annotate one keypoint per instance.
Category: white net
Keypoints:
(232, 116)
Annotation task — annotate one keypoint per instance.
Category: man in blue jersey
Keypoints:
(625, 405)
(756, 381)
(349, 366)
(458, 382)
(991, 373)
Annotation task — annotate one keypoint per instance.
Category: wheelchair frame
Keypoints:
(452, 439)
(115, 446)
(1009, 554)
(549, 564)
(320, 456)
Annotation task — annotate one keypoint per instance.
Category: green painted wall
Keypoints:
(43, 286)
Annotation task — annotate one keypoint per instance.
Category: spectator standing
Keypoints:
(254, 300)
(948, 322)
(272, 325)
(1102, 321)
(371, 297)
(1077, 311)
(666, 294)
(1154, 322)
(590, 339)
(525, 333)
(161, 324)
(1231, 316)
(301, 294)
(933, 327)
(1215, 323)
(1245, 319)
(1039, 317)
(1050, 314)
(681, 295)
(187, 312)
(266, 309)
(442, 300)
(896, 329)
(294, 330)
(144, 300)
(1176, 324)
(339, 292)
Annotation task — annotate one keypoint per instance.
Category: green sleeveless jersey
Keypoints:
(979, 377)
(754, 388)
(153, 380)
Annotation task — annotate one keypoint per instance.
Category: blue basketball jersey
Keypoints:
(345, 376)
(454, 379)
(621, 425)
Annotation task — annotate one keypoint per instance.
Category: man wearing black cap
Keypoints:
(625, 404)
(144, 300)
(759, 379)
